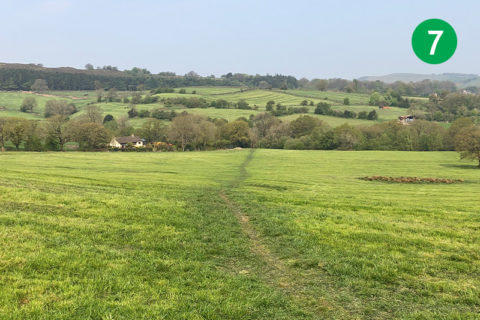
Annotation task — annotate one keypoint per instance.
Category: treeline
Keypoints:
(92, 131)
(419, 88)
(450, 106)
(23, 77)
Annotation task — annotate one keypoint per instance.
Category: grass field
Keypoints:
(10, 103)
(269, 234)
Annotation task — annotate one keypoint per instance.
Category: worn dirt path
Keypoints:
(314, 300)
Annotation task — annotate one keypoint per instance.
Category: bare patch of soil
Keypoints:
(411, 179)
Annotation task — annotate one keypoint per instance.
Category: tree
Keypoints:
(270, 105)
(237, 133)
(372, 115)
(303, 125)
(323, 108)
(112, 95)
(90, 136)
(100, 92)
(264, 85)
(3, 133)
(94, 114)
(362, 115)
(153, 131)
(17, 131)
(467, 142)
(456, 127)
(28, 104)
(124, 127)
(205, 134)
(53, 107)
(192, 74)
(58, 132)
(242, 104)
(98, 85)
(262, 123)
(132, 113)
(39, 85)
(108, 118)
(376, 99)
(89, 66)
(182, 130)
(320, 85)
(346, 101)
(33, 137)
(347, 137)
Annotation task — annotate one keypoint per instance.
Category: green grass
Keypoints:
(359, 102)
(12, 101)
(229, 114)
(213, 90)
(237, 235)
(333, 97)
(332, 121)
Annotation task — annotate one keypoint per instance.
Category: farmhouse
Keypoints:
(406, 120)
(122, 142)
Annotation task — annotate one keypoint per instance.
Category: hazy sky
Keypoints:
(302, 38)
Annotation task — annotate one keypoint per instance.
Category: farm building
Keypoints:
(406, 120)
(122, 142)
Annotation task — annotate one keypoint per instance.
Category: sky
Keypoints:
(312, 39)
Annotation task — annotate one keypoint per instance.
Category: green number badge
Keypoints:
(434, 41)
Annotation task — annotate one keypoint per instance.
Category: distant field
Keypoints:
(272, 234)
(214, 90)
(333, 96)
(383, 115)
(229, 114)
(332, 121)
(11, 102)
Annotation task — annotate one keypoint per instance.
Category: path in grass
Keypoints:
(274, 271)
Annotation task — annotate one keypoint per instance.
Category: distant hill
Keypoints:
(461, 79)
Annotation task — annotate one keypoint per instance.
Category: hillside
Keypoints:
(256, 98)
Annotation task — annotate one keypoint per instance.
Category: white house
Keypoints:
(122, 142)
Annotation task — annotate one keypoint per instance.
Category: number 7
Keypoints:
(435, 42)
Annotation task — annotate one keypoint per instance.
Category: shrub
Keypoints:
(323, 108)
(294, 144)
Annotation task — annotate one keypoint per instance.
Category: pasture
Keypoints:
(10, 103)
(265, 234)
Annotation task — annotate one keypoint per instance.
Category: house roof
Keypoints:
(129, 139)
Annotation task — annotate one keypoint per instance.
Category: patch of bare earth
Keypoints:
(411, 179)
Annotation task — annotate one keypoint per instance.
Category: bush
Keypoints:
(294, 144)
(220, 104)
(53, 107)
(28, 104)
(323, 108)
(163, 114)
(144, 114)
(372, 115)
(132, 113)
(242, 104)
(362, 115)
